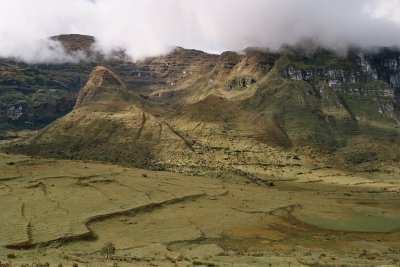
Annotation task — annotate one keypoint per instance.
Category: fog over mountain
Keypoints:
(152, 27)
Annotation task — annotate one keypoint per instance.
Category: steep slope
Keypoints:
(303, 104)
(41, 92)
(231, 75)
(334, 104)
(110, 123)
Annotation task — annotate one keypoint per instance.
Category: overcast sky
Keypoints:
(151, 27)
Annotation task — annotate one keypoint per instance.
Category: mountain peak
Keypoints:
(75, 42)
(100, 78)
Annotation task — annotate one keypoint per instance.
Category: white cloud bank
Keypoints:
(151, 27)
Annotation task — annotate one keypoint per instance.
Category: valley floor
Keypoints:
(63, 212)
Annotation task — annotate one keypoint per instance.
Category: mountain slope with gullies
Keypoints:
(280, 115)
(326, 108)
(110, 123)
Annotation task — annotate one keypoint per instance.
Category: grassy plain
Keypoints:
(63, 212)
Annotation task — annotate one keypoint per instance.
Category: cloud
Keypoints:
(387, 9)
(152, 27)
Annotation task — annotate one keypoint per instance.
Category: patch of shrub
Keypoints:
(108, 249)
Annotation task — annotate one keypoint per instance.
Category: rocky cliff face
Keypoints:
(43, 93)
(362, 76)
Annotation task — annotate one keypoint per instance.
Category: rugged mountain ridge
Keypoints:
(253, 112)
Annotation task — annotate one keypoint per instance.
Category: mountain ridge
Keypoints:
(235, 112)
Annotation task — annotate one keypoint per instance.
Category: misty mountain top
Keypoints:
(151, 28)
